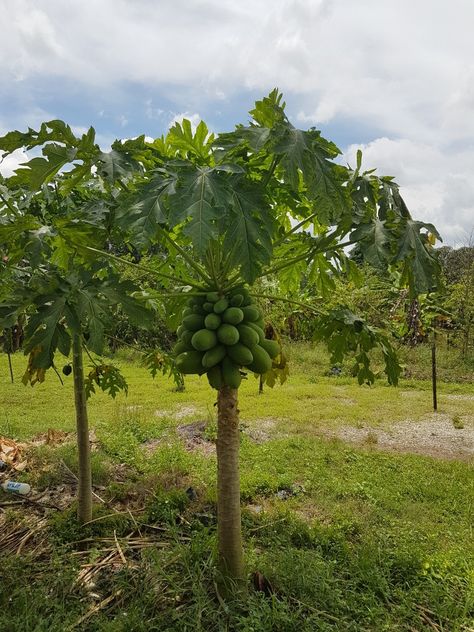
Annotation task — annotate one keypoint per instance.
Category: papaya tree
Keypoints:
(69, 304)
(265, 201)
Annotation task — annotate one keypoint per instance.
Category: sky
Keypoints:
(394, 78)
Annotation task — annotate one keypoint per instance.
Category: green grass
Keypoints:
(368, 540)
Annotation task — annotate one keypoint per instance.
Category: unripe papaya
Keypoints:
(198, 309)
(233, 315)
(244, 293)
(186, 337)
(259, 330)
(271, 347)
(248, 336)
(237, 300)
(213, 356)
(214, 376)
(261, 360)
(187, 311)
(208, 307)
(247, 298)
(190, 362)
(212, 297)
(251, 313)
(180, 331)
(204, 339)
(190, 302)
(261, 323)
(212, 321)
(228, 334)
(221, 305)
(193, 322)
(231, 373)
(240, 354)
(181, 347)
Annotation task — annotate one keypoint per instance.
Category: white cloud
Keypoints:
(194, 119)
(11, 162)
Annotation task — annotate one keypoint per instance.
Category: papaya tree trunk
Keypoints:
(84, 494)
(229, 533)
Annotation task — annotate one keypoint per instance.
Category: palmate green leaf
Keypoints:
(38, 171)
(321, 273)
(116, 165)
(390, 201)
(95, 314)
(108, 378)
(248, 236)
(421, 267)
(374, 241)
(270, 111)
(122, 294)
(54, 130)
(142, 214)
(308, 155)
(41, 331)
(201, 197)
(187, 144)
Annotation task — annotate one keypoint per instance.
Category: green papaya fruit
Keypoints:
(212, 297)
(261, 323)
(240, 354)
(212, 321)
(247, 298)
(248, 335)
(193, 322)
(230, 373)
(237, 300)
(198, 309)
(186, 337)
(259, 330)
(214, 377)
(271, 347)
(187, 311)
(228, 334)
(204, 339)
(233, 316)
(181, 347)
(190, 362)
(261, 360)
(213, 356)
(190, 302)
(208, 307)
(221, 305)
(180, 331)
(251, 313)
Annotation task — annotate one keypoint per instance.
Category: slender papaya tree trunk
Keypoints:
(84, 494)
(229, 534)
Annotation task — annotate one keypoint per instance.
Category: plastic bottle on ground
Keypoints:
(16, 488)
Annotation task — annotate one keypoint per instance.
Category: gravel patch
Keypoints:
(435, 436)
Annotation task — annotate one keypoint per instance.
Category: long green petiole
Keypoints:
(188, 258)
(139, 266)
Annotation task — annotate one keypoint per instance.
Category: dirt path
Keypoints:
(435, 436)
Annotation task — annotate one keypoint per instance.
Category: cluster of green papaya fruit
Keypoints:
(220, 334)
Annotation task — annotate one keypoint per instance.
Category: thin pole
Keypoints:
(433, 372)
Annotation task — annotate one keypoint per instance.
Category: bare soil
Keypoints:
(434, 436)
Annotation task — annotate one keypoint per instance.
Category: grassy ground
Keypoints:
(347, 537)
